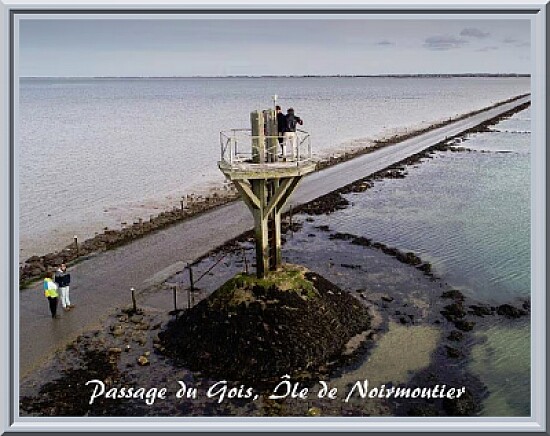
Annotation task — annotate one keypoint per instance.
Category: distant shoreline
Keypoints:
(335, 76)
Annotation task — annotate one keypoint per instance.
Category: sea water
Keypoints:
(95, 153)
(468, 213)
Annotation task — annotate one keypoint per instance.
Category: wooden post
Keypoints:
(181, 204)
(76, 244)
(260, 228)
(258, 141)
(134, 304)
(270, 117)
(276, 254)
(245, 262)
(175, 298)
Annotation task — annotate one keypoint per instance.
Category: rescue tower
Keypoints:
(252, 159)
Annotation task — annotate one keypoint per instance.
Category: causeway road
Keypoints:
(102, 282)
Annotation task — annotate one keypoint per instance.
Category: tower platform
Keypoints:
(266, 169)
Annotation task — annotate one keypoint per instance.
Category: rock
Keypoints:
(117, 330)
(453, 312)
(140, 339)
(147, 353)
(510, 311)
(454, 294)
(142, 361)
(386, 298)
(314, 411)
(136, 318)
(463, 406)
(142, 326)
(465, 326)
(422, 410)
(453, 352)
(248, 330)
(480, 310)
(425, 268)
(115, 350)
(455, 336)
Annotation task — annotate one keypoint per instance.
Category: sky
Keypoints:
(269, 46)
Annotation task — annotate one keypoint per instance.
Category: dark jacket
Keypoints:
(291, 122)
(281, 122)
(62, 278)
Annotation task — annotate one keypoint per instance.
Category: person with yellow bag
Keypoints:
(50, 292)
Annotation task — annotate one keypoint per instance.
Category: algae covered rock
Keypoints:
(254, 329)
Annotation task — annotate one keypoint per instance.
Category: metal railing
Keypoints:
(239, 146)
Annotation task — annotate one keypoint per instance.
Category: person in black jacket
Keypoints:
(63, 280)
(281, 123)
(291, 121)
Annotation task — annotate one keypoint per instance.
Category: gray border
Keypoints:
(10, 277)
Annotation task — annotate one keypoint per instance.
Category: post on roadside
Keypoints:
(134, 303)
(76, 244)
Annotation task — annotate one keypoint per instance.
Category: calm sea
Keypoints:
(469, 215)
(100, 152)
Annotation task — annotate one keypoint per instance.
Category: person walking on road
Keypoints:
(50, 292)
(63, 280)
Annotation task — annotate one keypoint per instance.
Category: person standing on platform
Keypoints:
(50, 292)
(63, 280)
(290, 131)
(281, 124)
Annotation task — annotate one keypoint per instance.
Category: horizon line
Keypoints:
(254, 76)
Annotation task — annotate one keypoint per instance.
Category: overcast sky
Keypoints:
(210, 47)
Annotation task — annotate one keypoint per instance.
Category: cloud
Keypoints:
(385, 43)
(516, 42)
(474, 32)
(488, 48)
(444, 42)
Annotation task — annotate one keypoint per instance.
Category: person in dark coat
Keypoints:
(291, 121)
(63, 280)
(281, 124)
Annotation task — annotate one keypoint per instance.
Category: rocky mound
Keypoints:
(260, 329)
